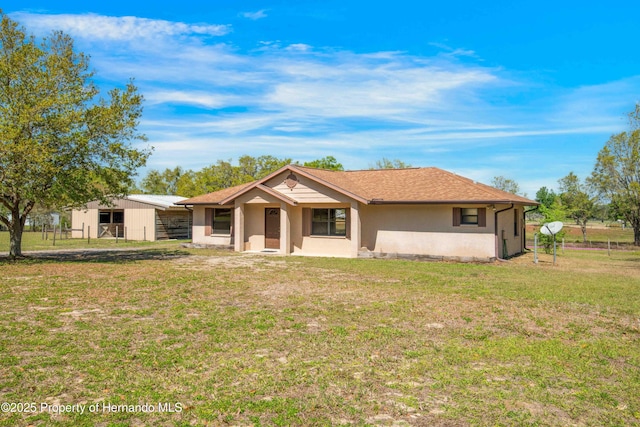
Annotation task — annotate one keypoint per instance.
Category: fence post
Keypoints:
(88, 234)
(83, 231)
(42, 231)
(125, 234)
(535, 248)
(54, 234)
(117, 234)
(144, 233)
(609, 246)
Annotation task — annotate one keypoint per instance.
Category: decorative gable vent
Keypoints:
(291, 181)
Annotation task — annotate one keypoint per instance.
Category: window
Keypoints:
(329, 222)
(118, 217)
(469, 216)
(111, 217)
(221, 221)
(105, 217)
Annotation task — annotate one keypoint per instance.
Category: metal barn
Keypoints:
(135, 217)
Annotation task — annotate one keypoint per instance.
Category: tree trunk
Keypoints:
(583, 227)
(634, 220)
(15, 236)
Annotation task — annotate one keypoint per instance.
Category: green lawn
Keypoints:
(232, 339)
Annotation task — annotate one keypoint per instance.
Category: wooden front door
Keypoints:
(272, 228)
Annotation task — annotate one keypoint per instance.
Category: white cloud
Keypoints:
(448, 51)
(299, 47)
(99, 27)
(601, 104)
(254, 15)
(220, 125)
(197, 98)
(348, 84)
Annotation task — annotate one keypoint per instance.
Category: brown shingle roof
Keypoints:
(415, 185)
(215, 197)
(411, 185)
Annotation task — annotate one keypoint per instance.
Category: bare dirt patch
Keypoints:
(253, 262)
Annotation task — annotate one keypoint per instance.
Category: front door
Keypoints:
(272, 228)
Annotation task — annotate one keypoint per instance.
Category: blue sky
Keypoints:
(526, 90)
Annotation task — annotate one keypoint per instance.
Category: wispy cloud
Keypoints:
(100, 27)
(449, 51)
(196, 98)
(254, 16)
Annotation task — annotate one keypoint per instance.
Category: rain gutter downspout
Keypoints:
(495, 228)
(524, 219)
(190, 209)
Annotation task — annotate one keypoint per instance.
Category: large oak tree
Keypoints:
(617, 173)
(577, 202)
(61, 144)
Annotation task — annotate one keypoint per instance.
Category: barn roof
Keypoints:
(156, 200)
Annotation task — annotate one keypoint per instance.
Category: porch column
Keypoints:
(238, 227)
(356, 229)
(285, 229)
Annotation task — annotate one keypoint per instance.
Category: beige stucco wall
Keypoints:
(324, 246)
(329, 246)
(401, 229)
(424, 230)
(298, 244)
(253, 207)
(515, 244)
(199, 236)
(254, 225)
(255, 202)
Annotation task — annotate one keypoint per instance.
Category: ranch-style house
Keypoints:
(413, 212)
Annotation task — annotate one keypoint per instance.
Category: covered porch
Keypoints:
(264, 222)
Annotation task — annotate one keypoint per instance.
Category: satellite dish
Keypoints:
(551, 228)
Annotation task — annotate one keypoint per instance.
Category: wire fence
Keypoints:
(119, 233)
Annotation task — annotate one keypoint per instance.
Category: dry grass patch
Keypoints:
(267, 340)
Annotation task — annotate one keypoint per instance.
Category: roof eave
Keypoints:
(450, 202)
(201, 204)
(162, 206)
